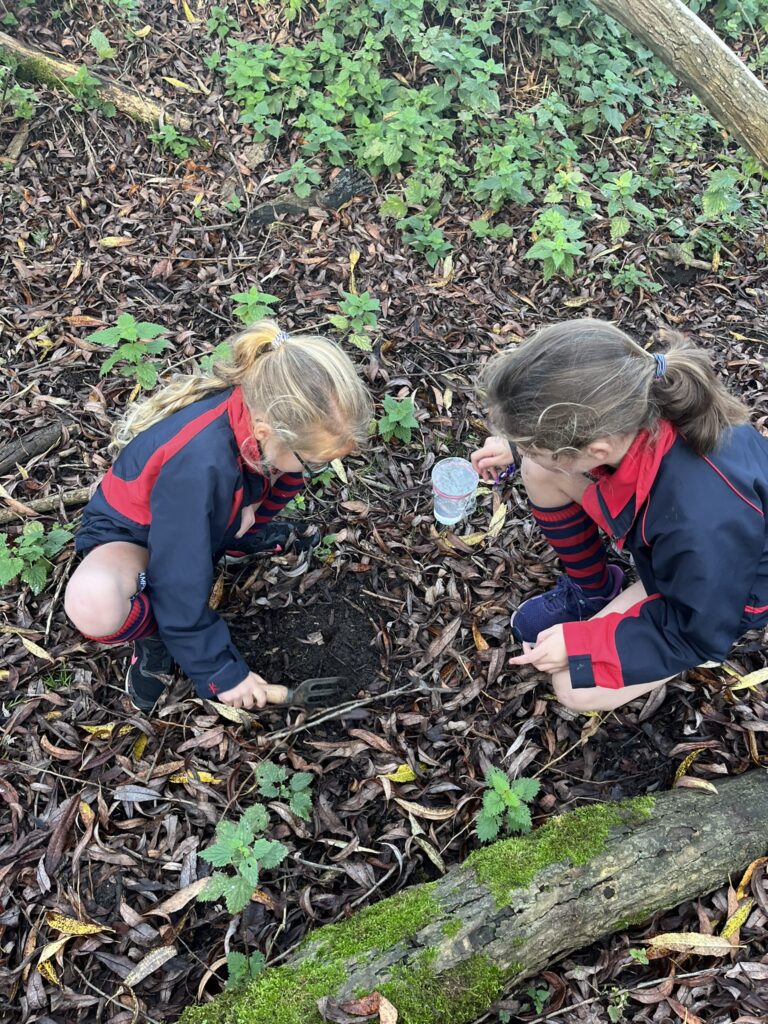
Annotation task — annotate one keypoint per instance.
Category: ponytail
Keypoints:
(301, 384)
(689, 395)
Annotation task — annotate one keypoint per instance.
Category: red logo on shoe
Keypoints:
(134, 659)
(278, 547)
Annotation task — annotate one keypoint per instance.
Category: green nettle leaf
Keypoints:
(215, 889)
(249, 869)
(36, 574)
(270, 777)
(493, 802)
(301, 780)
(146, 375)
(237, 967)
(56, 539)
(519, 818)
(393, 206)
(237, 894)
(361, 341)
(108, 336)
(270, 852)
(227, 844)
(257, 817)
(146, 331)
(619, 228)
(486, 828)
(100, 43)
(10, 567)
(301, 805)
(525, 789)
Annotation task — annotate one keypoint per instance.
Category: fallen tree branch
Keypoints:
(34, 66)
(446, 950)
(79, 496)
(27, 447)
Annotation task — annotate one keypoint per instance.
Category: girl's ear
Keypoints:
(261, 431)
(602, 449)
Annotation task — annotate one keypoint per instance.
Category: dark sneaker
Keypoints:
(277, 537)
(566, 602)
(150, 672)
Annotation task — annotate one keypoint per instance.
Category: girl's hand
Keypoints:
(252, 690)
(548, 654)
(494, 456)
(247, 519)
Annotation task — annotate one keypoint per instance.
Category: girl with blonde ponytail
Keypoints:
(650, 448)
(202, 469)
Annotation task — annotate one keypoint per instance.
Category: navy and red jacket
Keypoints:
(696, 528)
(178, 489)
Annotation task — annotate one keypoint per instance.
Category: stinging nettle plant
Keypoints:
(505, 805)
(274, 782)
(240, 846)
(135, 342)
(29, 555)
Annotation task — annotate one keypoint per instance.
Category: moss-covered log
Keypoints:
(700, 60)
(34, 66)
(442, 952)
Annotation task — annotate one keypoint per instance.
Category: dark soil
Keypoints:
(329, 631)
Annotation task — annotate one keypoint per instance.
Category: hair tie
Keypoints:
(661, 365)
(279, 339)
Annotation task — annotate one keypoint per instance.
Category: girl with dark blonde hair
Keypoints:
(650, 448)
(202, 468)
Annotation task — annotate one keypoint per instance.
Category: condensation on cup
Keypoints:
(454, 489)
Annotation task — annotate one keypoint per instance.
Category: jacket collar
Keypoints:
(242, 427)
(614, 500)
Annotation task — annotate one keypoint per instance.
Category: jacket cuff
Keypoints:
(592, 656)
(226, 678)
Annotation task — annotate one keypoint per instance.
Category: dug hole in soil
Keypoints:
(330, 631)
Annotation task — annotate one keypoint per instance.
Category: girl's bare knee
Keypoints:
(95, 604)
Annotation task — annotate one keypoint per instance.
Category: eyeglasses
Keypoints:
(309, 470)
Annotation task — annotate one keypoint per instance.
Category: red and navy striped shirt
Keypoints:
(178, 489)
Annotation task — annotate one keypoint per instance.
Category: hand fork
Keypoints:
(312, 693)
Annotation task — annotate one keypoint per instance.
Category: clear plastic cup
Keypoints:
(454, 486)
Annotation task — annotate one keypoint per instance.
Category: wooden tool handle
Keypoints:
(277, 694)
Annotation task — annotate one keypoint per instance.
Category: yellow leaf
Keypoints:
(239, 715)
(71, 926)
(420, 811)
(497, 521)
(338, 468)
(115, 241)
(178, 84)
(354, 256)
(480, 642)
(143, 32)
(21, 244)
(683, 942)
(750, 680)
(139, 747)
(188, 13)
(687, 762)
(735, 921)
(49, 716)
(47, 971)
(715, 261)
(86, 814)
(194, 776)
(473, 538)
(101, 732)
(37, 651)
(404, 773)
(447, 398)
(742, 890)
(50, 949)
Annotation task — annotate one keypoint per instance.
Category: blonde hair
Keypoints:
(574, 382)
(302, 385)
